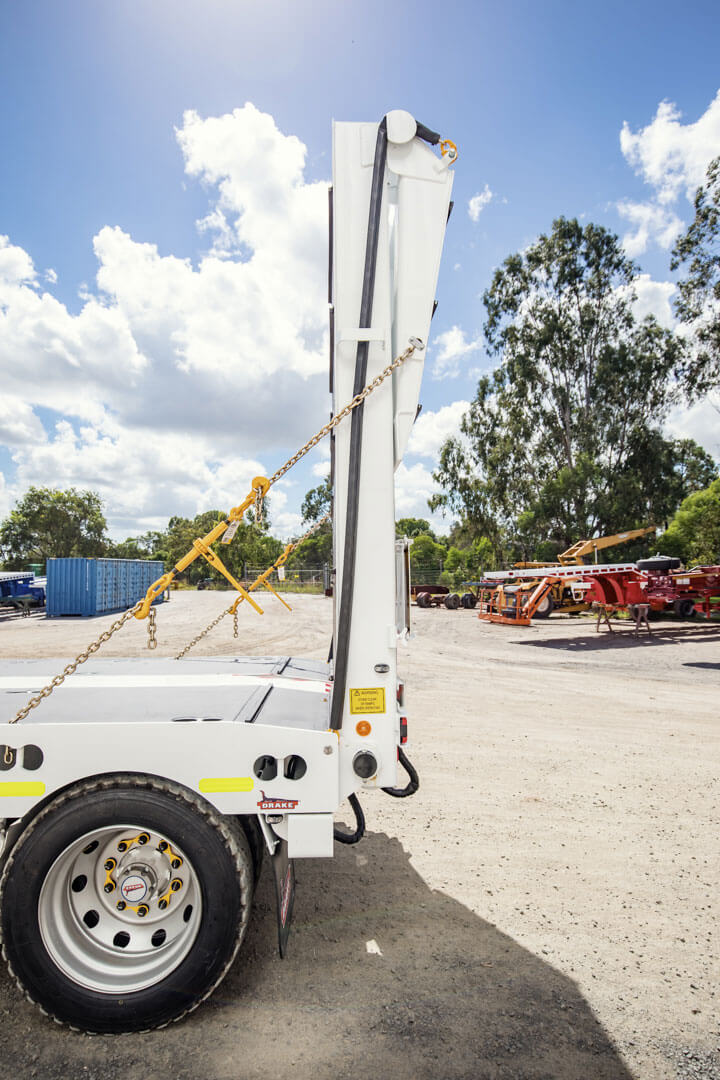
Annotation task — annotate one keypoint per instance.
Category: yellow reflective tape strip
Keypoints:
(21, 787)
(215, 785)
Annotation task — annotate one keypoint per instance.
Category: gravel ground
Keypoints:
(545, 907)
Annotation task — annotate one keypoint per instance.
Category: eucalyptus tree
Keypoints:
(698, 304)
(563, 439)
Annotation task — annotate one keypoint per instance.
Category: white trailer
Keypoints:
(138, 797)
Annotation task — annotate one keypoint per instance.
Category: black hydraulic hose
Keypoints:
(413, 784)
(427, 135)
(353, 837)
(342, 644)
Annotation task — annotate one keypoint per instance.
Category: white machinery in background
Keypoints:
(138, 798)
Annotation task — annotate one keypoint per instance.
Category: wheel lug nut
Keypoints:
(163, 845)
(122, 846)
(162, 904)
(143, 839)
(176, 884)
(142, 911)
(176, 864)
(110, 887)
(121, 905)
(110, 864)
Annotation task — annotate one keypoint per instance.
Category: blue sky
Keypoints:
(163, 363)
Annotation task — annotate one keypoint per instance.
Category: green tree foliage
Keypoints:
(316, 551)
(151, 545)
(698, 304)
(317, 502)
(562, 440)
(694, 532)
(250, 547)
(411, 526)
(48, 523)
(427, 559)
(469, 563)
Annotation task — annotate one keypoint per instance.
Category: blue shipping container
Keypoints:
(94, 586)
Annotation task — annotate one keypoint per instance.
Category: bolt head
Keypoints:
(121, 905)
(110, 887)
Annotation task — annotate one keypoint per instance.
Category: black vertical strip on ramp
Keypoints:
(331, 310)
(342, 643)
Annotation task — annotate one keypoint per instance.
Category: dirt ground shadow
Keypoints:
(450, 996)
(623, 637)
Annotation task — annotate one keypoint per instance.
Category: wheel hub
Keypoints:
(119, 909)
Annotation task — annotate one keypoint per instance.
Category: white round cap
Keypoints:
(401, 126)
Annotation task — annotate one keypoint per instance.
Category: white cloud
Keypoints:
(653, 298)
(672, 158)
(649, 222)
(16, 267)
(287, 526)
(432, 429)
(172, 376)
(700, 422)
(450, 348)
(19, 426)
(477, 204)
(413, 487)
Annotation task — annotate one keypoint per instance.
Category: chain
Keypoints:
(203, 633)
(232, 610)
(413, 345)
(71, 668)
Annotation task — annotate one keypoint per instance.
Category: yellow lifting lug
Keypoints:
(448, 149)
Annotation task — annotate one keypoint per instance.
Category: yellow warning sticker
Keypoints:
(370, 699)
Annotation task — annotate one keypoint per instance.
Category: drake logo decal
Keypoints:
(276, 804)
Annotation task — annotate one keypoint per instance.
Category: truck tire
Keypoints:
(423, 599)
(545, 608)
(94, 929)
(659, 562)
(684, 606)
(452, 601)
(469, 600)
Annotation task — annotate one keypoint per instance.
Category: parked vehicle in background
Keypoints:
(20, 590)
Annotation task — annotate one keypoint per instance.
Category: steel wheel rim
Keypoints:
(98, 935)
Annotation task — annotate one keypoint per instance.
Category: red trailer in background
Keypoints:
(660, 582)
